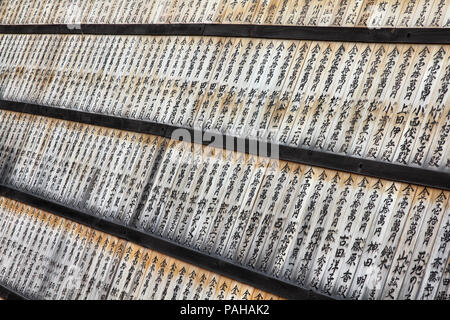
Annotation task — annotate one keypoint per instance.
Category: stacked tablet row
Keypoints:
(99, 170)
(344, 235)
(342, 13)
(384, 102)
(48, 257)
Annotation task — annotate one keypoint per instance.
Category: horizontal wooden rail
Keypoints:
(344, 34)
(372, 168)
